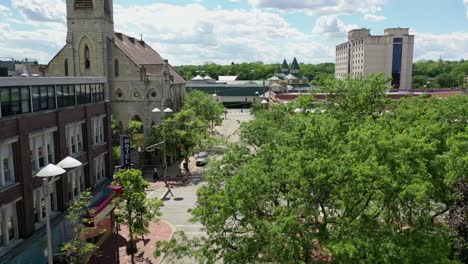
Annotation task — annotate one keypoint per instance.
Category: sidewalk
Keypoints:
(160, 231)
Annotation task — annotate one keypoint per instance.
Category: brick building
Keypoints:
(43, 120)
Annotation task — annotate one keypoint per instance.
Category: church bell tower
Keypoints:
(90, 36)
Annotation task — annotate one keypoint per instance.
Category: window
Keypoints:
(40, 203)
(98, 130)
(116, 68)
(396, 63)
(75, 183)
(74, 138)
(7, 164)
(42, 151)
(106, 6)
(43, 97)
(100, 168)
(65, 95)
(83, 4)
(87, 58)
(66, 67)
(9, 230)
(15, 100)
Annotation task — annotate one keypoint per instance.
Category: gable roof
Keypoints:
(143, 55)
(138, 51)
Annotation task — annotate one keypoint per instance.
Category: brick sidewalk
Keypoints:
(158, 232)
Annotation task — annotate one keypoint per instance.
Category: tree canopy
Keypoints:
(428, 74)
(188, 128)
(359, 179)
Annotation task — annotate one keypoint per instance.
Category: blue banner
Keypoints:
(125, 152)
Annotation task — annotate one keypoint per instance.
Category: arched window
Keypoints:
(66, 67)
(116, 68)
(140, 126)
(87, 57)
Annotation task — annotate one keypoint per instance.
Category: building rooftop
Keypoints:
(143, 55)
(25, 81)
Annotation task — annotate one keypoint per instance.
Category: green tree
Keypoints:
(78, 249)
(136, 210)
(205, 107)
(135, 129)
(365, 181)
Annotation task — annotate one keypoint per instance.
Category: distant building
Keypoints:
(391, 54)
(229, 91)
(289, 78)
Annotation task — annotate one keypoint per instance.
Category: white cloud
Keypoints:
(374, 18)
(449, 46)
(321, 7)
(331, 27)
(41, 10)
(194, 34)
(466, 6)
(4, 9)
(235, 1)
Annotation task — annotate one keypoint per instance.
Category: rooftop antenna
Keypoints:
(141, 37)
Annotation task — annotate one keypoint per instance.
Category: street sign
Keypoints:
(125, 151)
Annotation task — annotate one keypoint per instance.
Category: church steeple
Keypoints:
(285, 68)
(89, 36)
(295, 66)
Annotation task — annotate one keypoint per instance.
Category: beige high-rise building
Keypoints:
(391, 54)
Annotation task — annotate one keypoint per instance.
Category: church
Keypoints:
(138, 78)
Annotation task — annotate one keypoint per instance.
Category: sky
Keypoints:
(225, 31)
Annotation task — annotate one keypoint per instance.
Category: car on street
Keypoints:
(201, 159)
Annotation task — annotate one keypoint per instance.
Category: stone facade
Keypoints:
(139, 79)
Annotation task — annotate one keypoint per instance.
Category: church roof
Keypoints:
(138, 51)
(295, 65)
(143, 55)
(177, 79)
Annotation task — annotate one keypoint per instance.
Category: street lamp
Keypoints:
(167, 110)
(116, 216)
(50, 171)
(139, 157)
(264, 102)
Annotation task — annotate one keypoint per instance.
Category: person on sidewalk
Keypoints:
(187, 168)
(155, 175)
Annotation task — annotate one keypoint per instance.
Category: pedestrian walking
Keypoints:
(155, 175)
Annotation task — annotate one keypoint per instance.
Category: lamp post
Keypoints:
(264, 102)
(116, 215)
(50, 171)
(139, 157)
(165, 111)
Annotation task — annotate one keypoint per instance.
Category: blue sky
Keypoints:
(196, 32)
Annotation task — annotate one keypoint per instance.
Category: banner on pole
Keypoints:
(125, 152)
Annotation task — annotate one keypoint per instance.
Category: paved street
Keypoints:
(175, 209)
